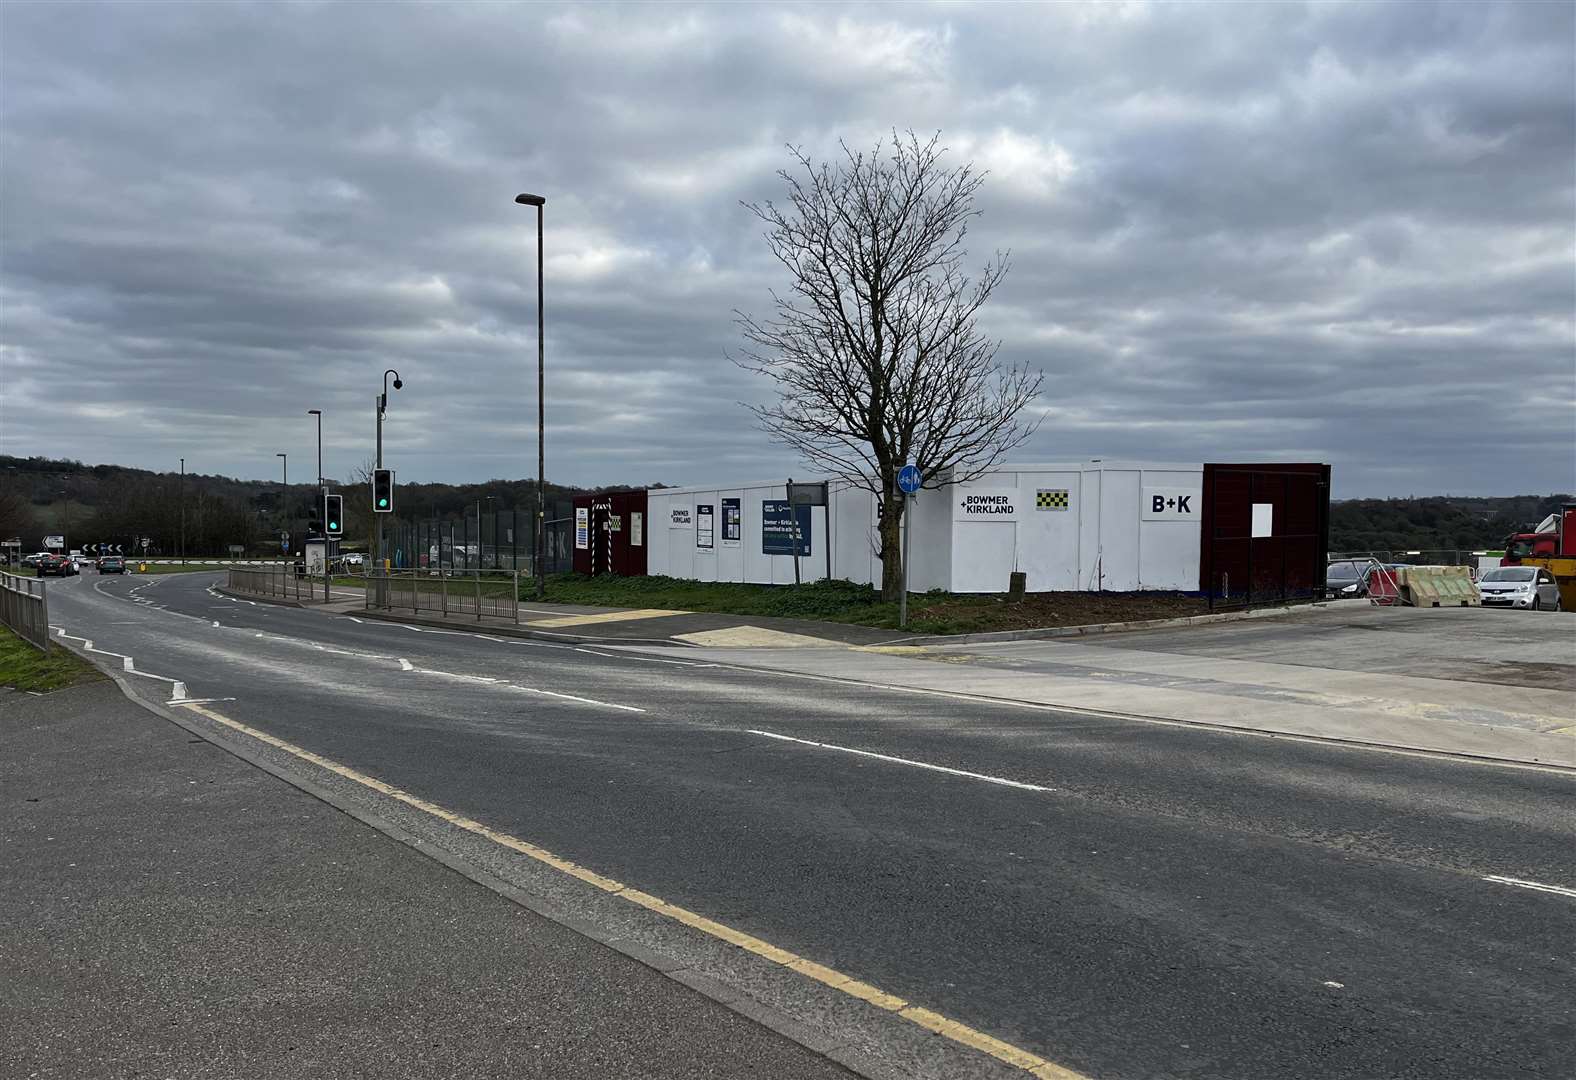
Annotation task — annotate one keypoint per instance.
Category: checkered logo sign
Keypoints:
(1051, 499)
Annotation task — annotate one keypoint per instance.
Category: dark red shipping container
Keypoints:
(1266, 532)
(610, 533)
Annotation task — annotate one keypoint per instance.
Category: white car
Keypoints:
(353, 559)
(1530, 587)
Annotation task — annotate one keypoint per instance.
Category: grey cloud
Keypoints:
(1340, 231)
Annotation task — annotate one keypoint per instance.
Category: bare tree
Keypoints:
(874, 347)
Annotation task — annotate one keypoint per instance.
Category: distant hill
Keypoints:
(1434, 523)
(114, 503)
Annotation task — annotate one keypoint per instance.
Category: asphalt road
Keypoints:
(1155, 902)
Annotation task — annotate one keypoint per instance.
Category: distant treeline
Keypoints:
(116, 504)
(1435, 523)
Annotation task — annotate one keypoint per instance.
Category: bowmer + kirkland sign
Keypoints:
(995, 504)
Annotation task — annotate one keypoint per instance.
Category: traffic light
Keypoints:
(382, 491)
(333, 516)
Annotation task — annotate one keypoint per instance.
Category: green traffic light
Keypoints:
(383, 502)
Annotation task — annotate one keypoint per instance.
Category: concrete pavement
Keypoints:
(1121, 899)
(1464, 681)
(170, 910)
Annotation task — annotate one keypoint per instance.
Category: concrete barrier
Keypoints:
(1438, 586)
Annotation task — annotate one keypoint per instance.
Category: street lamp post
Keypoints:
(322, 497)
(377, 558)
(183, 512)
(284, 490)
(481, 549)
(65, 534)
(541, 405)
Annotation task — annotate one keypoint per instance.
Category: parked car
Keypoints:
(112, 564)
(1530, 587)
(57, 566)
(1348, 577)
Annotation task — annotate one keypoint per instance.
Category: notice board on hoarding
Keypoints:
(777, 527)
(704, 531)
(732, 523)
(582, 527)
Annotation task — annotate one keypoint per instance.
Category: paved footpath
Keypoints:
(171, 911)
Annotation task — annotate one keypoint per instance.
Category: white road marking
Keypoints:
(197, 700)
(1536, 886)
(1003, 781)
(643, 659)
(571, 697)
(406, 665)
(455, 675)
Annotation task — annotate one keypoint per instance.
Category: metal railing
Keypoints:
(25, 608)
(281, 582)
(478, 593)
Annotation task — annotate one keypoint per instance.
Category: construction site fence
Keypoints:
(1440, 557)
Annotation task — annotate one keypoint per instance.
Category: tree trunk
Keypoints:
(890, 524)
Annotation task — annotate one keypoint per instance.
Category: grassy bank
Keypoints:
(843, 601)
(23, 667)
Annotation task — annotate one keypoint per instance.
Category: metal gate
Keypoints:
(1266, 534)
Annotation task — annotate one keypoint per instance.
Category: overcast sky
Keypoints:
(1339, 233)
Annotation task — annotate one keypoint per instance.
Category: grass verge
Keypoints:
(844, 601)
(23, 667)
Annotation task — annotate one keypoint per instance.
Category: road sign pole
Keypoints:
(909, 480)
(908, 533)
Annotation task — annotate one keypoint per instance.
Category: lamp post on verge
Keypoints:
(377, 555)
(319, 414)
(541, 406)
(322, 498)
(284, 489)
(481, 551)
(183, 513)
(65, 531)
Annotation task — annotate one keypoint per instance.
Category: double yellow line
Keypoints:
(941, 1025)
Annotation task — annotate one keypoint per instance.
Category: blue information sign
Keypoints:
(777, 521)
(908, 479)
